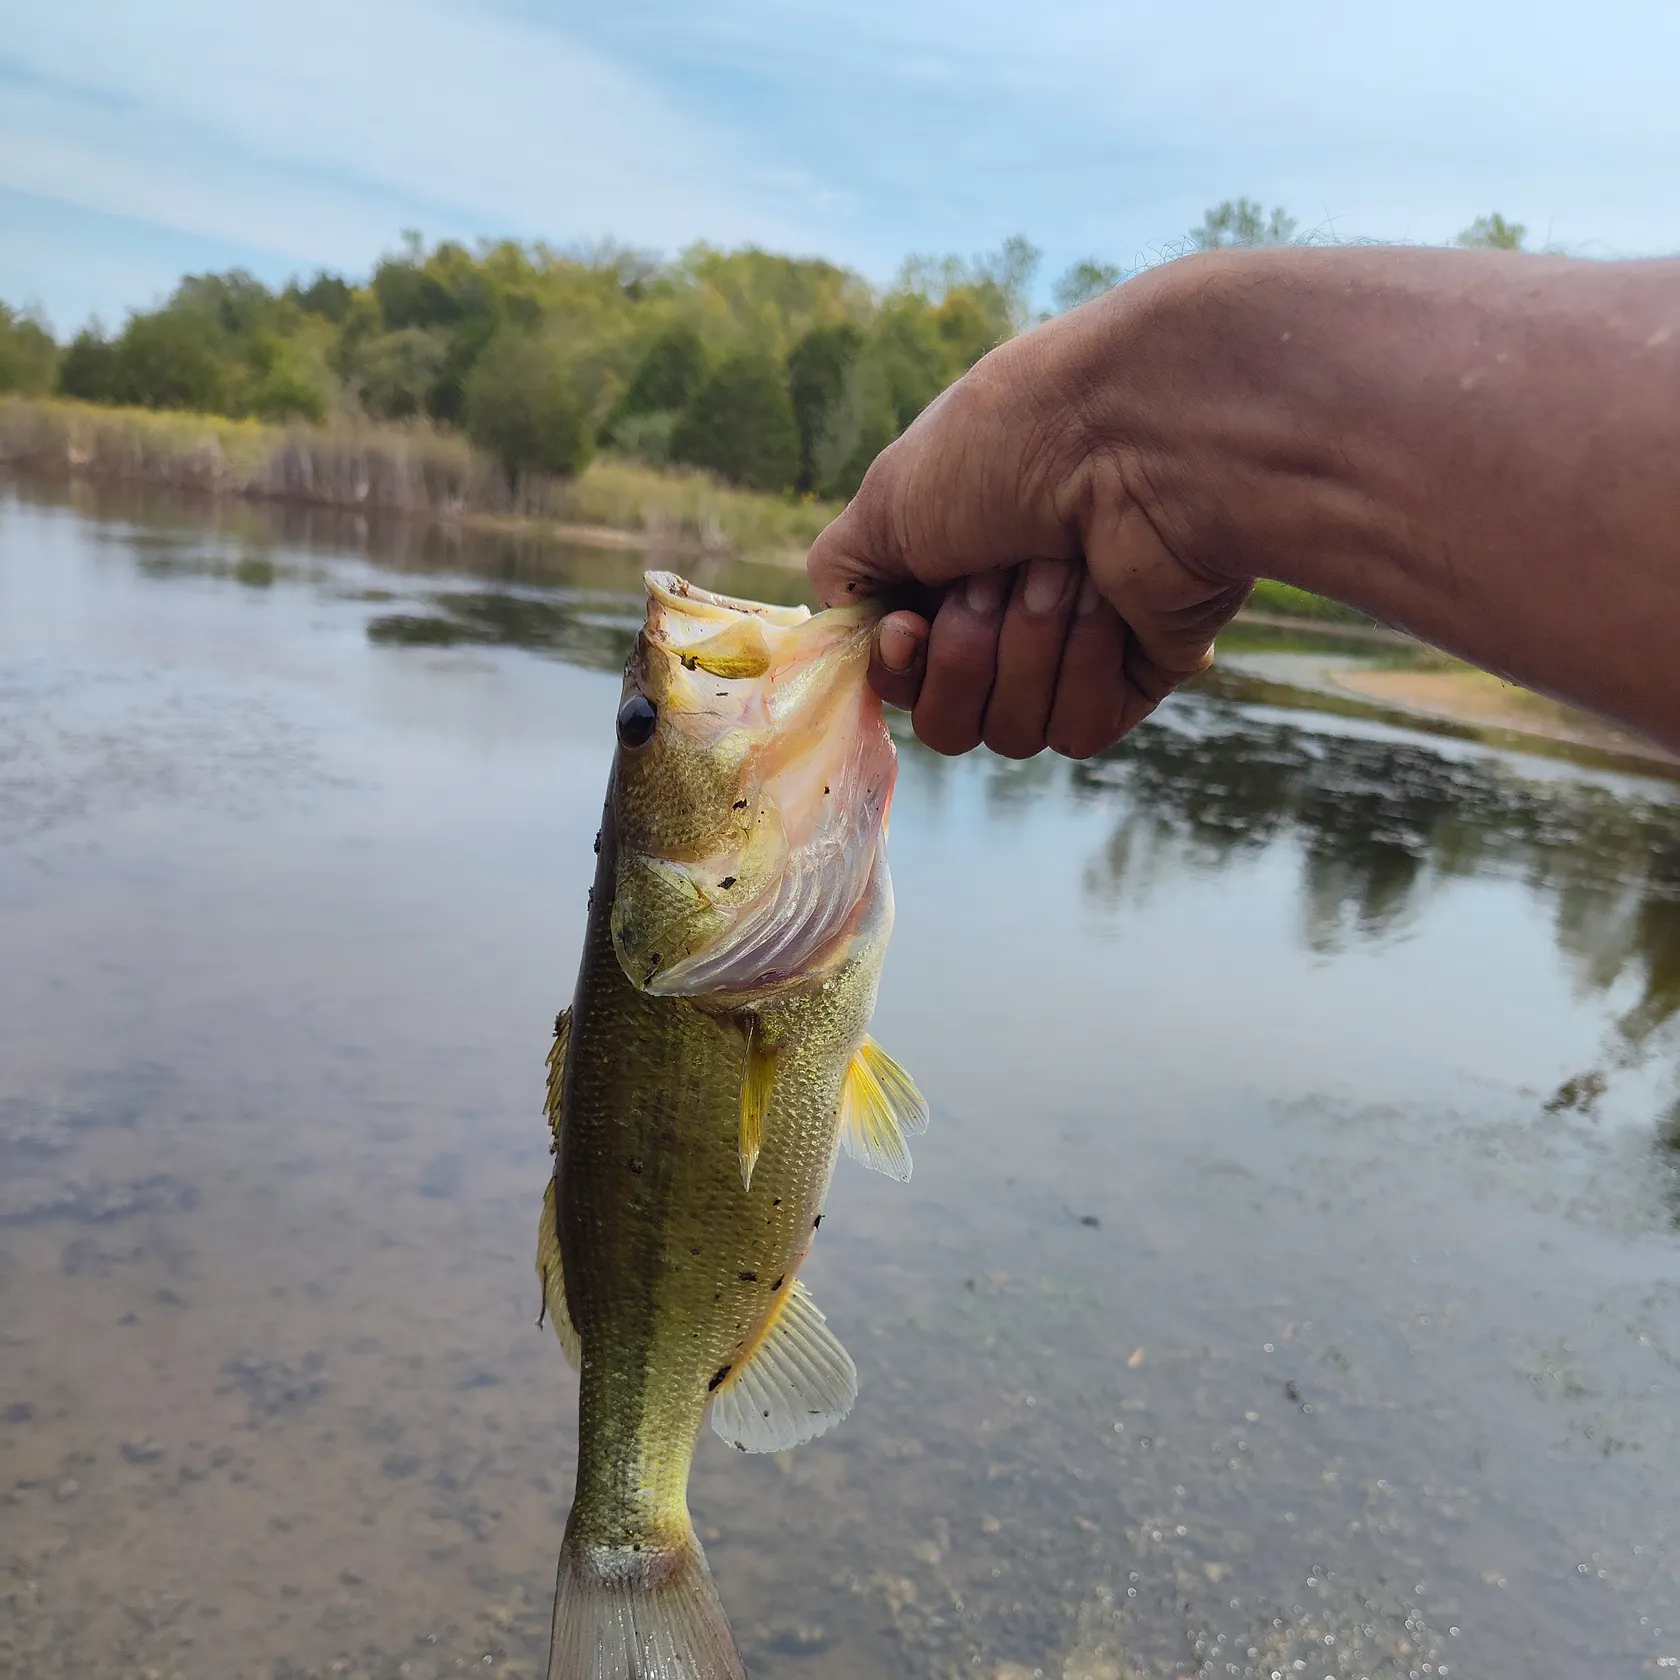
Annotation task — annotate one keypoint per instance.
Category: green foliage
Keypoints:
(523, 405)
(1241, 221)
(1493, 233)
(393, 372)
(996, 287)
(1084, 281)
(28, 355)
(741, 425)
(817, 372)
(291, 382)
(1286, 601)
(668, 375)
(171, 360)
(88, 369)
(647, 437)
(857, 426)
(666, 380)
(327, 295)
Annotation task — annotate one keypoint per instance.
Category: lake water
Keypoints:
(1290, 1280)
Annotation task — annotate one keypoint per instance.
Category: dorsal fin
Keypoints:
(555, 1092)
(797, 1382)
(548, 1231)
(879, 1107)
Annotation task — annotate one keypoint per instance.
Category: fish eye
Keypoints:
(636, 718)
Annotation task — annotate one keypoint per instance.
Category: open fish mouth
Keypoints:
(777, 762)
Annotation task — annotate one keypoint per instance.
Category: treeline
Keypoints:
(774, 373)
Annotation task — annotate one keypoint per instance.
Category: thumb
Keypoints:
(855, 555)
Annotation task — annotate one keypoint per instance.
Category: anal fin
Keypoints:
(879, 1107)
(553, 1276)
(797, 1382)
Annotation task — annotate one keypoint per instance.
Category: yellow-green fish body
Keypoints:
(714, 1058)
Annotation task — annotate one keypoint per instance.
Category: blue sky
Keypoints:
(139, 141)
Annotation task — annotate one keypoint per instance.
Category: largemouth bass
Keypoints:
(713, 1061)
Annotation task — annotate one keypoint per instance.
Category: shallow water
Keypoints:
(1289, 1283)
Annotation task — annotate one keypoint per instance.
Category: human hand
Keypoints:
(1056, 613)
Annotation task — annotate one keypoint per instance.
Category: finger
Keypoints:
(1090, 710)
(896, 658)
(1149, 682)
(1029, 652)
(961, 662)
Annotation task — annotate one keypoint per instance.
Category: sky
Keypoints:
(141, 142)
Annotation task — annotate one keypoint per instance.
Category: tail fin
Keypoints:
(631, 1615)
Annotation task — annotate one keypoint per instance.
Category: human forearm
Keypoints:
(1484, 450)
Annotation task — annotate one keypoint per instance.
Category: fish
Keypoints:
(713, 1062)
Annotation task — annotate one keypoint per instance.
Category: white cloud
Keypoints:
(300, 128)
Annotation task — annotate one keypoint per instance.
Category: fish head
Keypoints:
(750, 793)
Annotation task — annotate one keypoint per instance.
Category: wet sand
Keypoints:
(1473, 697)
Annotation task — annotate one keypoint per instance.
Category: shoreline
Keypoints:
(668, 515)
(403, 470)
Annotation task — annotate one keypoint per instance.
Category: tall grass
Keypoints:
(405, 469)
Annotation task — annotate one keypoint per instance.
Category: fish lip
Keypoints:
(677, 595)
(669, 593)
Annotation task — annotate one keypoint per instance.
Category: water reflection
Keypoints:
(598, 635)
(1382, 823)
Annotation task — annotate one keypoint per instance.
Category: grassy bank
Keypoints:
(414, 470)
(1283, 600)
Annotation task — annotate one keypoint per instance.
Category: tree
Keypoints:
(394, 371)
(1493, 233)
(327, 295)
(1084, 281)
(290, 384)
(856, 428)
(28, 355)
(671, 371)
(741, 425)
(168, 360)
(1000, 283)
(523, 406)
(1242, 222)
(816, 377)
(88, 368)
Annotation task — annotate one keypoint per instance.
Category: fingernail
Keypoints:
(897, 647)
(1046, 586)
(1090, 597)
(983, 593)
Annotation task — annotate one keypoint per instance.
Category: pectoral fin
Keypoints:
(759, 1076)
(796, 1382)
(879, 1107)
(549, 1269)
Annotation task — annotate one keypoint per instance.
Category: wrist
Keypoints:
(1231, 390)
